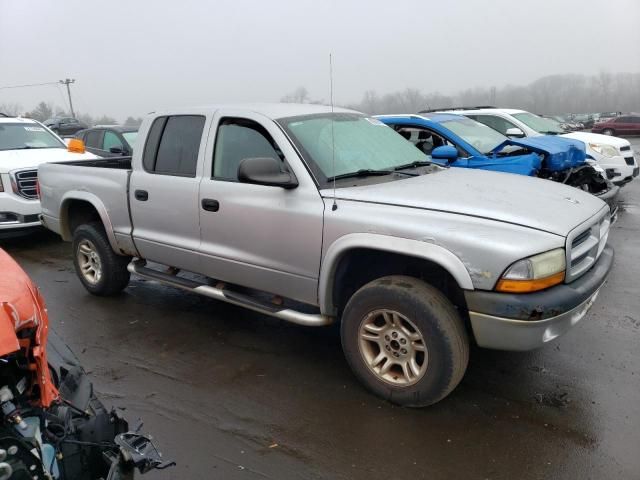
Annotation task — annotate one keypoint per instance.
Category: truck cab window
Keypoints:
(173, 144)
(425, 140)
(111, 140)
(237, 139)
(497, 123)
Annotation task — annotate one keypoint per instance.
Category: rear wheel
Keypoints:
(405, 341)
(608, 131)
(99, 268)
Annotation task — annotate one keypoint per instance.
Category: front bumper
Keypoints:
(506, 321)
(17, 214)
(621, 169)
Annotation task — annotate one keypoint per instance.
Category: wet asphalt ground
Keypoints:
(230, 394)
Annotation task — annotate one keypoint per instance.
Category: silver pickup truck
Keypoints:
(312, 216)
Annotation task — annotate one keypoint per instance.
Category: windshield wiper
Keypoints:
(368, 172)
(416, 164)
(549, 132)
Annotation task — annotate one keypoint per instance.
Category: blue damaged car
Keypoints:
(457, 141)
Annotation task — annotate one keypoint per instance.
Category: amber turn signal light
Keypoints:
(76, 145)
(528, 286)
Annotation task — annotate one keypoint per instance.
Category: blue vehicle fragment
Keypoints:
(546, 152)
(560, 153)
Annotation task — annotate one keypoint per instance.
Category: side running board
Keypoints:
(138, 266)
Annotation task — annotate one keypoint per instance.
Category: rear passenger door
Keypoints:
(163, 191)
(623, 125)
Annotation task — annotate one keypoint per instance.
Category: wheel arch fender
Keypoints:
(384, 243)
(72, 197)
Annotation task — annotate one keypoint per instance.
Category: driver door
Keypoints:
(264, 237)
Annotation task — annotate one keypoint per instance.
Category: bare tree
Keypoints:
(299, 95)
(11, 109)
(42, 112)
(553, 94)
(105, 120)
(134, 122)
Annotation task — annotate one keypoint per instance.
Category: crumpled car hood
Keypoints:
(560, 153)
(516, 199)
(589, 137)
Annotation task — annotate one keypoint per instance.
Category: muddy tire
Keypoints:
(99, 268)
(608, 131)
(405, 341)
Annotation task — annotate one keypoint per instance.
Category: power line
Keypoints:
(29, 85)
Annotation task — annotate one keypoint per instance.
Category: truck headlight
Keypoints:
(606, 150)
(534, 273)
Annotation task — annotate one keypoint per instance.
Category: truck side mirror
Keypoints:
(444, 152)
(265, 171)
(515, 132)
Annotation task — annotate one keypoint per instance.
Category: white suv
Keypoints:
(613, 154)
(25, 144)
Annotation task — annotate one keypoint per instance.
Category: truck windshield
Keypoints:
(483, 138)
(359, 144)
(539, 124)
(23, 136)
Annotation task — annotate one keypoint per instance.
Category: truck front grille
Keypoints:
(26, 184)
(585, 244)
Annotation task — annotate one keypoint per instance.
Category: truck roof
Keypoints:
(273, 111)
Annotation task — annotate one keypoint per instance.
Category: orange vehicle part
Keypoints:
(22, 309)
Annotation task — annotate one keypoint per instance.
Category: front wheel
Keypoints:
(99, 268)
(405, 341)
(608, 131)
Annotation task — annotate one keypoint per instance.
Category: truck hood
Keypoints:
(530, 202)
(588, 137)
(19, 159)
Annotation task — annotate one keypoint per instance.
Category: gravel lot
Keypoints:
(231, 394)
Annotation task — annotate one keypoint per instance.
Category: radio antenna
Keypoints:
(334, 207)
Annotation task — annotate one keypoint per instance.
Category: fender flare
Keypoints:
(413, 248)
(95, 201)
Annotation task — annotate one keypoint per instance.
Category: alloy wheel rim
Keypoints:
(392, 347)
(89, 262)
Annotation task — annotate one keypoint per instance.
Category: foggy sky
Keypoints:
(131, 57)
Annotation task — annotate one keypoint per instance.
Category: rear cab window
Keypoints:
(173, 145)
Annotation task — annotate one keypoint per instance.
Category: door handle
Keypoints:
(210, 205)
(141, 195)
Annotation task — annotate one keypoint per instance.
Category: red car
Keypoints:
(628, 124)
(51, 423)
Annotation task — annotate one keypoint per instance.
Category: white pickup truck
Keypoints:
(313, 216)
(25, 144)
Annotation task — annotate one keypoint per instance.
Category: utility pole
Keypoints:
(67, 82)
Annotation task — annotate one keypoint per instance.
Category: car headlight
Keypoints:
(534, 273)
(606, 150)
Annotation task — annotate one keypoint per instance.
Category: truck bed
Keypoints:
(102, 183)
